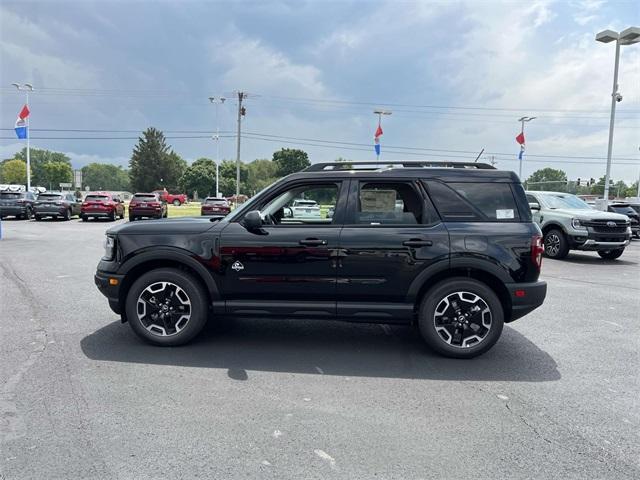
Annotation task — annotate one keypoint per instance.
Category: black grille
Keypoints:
(605, 229)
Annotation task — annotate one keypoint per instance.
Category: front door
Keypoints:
(288, 266)
(391, 234)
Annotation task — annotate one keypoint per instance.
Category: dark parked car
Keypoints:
(628, 210)
(450, 247)
(215, 206)
(17, 204)
(56, 205)
(101, 205)
(147, 205)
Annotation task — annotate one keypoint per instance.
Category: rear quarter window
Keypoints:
(473, 201)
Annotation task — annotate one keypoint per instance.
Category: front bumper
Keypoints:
(525, 297)
(112, 292)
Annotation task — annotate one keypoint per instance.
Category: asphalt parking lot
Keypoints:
(82, 397)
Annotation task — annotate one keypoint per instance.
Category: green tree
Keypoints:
(632, 190)
(199, 177)
(55, 173)
(261, 173)
(619, 189)
(13, 171)
(346, 164)
(290, 160)
(153, 164)
(104, 176)
(547, 179)
(38, 158)
(598, 188)
(228, 178)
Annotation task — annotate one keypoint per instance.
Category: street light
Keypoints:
(627, 37)
(380, 113)
(26, 87)
(217, 101)
(522, 120)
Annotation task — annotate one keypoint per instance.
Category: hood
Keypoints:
(584, 214)
(166, 226)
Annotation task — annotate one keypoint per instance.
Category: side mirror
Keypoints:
(534, 206)
(252, 220)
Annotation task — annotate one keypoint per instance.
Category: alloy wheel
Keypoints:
(462, 319)
(552, 244)
(164, 309)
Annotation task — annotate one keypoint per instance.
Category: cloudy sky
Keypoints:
(457, 76)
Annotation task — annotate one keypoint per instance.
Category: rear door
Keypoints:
(392, 233)
(288, 267)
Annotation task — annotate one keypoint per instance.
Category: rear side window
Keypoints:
(469, 202)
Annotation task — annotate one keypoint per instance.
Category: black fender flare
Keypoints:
(553, 224)
(176, 255)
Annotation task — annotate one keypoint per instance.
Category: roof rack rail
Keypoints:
(318, 167)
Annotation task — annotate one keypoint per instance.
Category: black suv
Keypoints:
(447, 246)
(17, 204)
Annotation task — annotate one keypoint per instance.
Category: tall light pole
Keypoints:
(380, 113)
(27, 87)
(241, 113)
(522, 120)
(217, 101)
(627, 37)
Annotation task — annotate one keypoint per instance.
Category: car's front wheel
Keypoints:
(461, 318)
(166, 307)
(555, 244)
(610, 254)
(177, 202)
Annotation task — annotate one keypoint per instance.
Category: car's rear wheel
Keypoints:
(112, 216)
(166, 307)
(132, 218)
(67, 215)
(177, 202)
(84, 218)
(611, 254)
(38, 218)
(555, 244)
(28, 213)
(461, 318)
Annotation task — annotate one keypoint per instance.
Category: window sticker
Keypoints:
(378, 200)
(504, 214)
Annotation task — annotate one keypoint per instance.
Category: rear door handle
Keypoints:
(417, 242)
(312, 242)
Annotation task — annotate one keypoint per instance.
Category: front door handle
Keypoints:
(417, 242)
(312, 242)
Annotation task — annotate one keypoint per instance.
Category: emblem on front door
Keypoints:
(237, 266)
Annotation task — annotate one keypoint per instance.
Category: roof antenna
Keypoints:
(481, 152)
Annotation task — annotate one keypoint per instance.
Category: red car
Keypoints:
(177, 199)
(148, 205)
(215, 206)
(101, 205)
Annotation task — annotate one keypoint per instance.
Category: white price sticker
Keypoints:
(504, 214)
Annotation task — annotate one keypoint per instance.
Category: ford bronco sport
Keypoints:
(450, 247)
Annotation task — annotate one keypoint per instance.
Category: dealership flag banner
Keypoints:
(376, 140)
(21, 122)
(520, 140)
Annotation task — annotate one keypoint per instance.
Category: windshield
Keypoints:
(96, 198)
(145, 198)
(623, 209)
(215, 201)
(6, 196)
(49, 196)
(565, 201)
(309, 203)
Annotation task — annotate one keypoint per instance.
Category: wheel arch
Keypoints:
(165, 258)
(551, 225)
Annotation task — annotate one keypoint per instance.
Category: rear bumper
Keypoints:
(525, 297)
(112, 292)
(12, 210)
(57, 211)
(145, 212)
(101, 214)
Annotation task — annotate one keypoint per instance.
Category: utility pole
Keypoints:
(27, 87)
(241, 112)
(217, 101)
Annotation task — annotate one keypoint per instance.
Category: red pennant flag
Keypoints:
(378, 132)
(520, 138)
(24, 113)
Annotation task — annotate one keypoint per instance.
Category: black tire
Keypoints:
(485, 299)
(177, 202)
(112, 216)
(555, 244)
(28, 213)
(67, 215)
(610, 254)
(191, 290)
(38, 218)
(84, 218)
(132, 218)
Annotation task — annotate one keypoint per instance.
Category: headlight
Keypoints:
(575, 223)
(109, 248)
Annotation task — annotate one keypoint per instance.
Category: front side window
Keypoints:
(388, 204)
(302, 205)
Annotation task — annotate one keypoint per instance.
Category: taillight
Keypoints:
(537, 250)
(133, 204)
